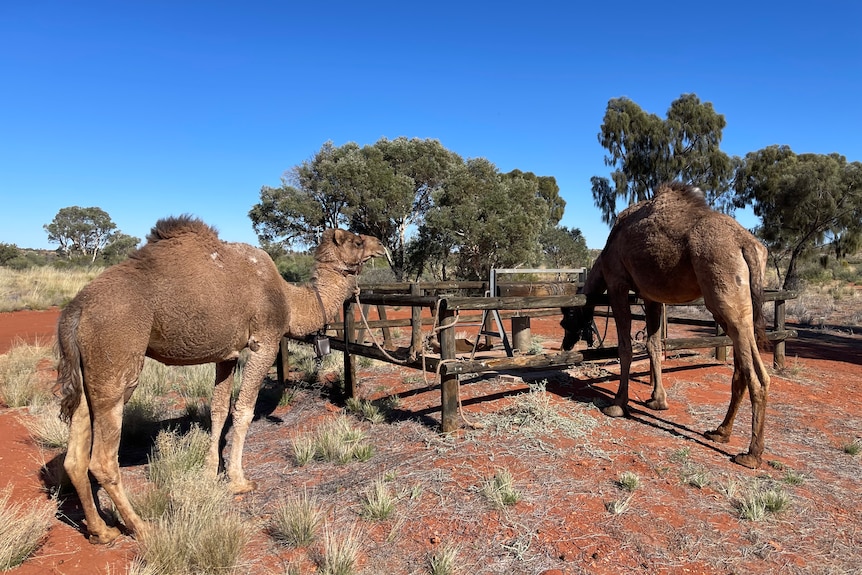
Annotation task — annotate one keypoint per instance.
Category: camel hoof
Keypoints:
(238, 488)
(614, 411)
(656, 405)
(716, 436)
(108, 535)
(747, 460)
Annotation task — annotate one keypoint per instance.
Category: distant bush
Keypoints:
(8, 252)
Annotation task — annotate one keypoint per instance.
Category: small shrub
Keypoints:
(698, 478)
(304, 449)
(365, 409)
(500, 491)
(340, 552)
(197, 530)
(752, 508)
(853, 448)
(379, 503)
(681, 455)
(793, 477)
(619, 506)
(296, 520)
(19, 378)
(628, 481)
(200, 532)
(46, 428)
(335, 440)
(775, 500)
(22, 528)
(755, 505)
(442, 562)
(177, 456)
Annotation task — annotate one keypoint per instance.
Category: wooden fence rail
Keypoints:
(446, 302)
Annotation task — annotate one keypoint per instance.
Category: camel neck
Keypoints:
(322, 307)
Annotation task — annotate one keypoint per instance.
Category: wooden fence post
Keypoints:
(778, 349)
(521, 336)
(415, 323)
(448, 382)
(349, 361)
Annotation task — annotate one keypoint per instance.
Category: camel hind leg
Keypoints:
(76, 464)
(749, 373)
(658, 399)
(104, 462)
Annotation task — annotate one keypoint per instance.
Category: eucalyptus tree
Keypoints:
(313, 196)
(382, 190)
(487, 219)
(394, 192)
(802, 200)
(645, 150)
(564, 247)
(81, 231)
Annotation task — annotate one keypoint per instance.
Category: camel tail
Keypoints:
(756, 268)
(70, 378)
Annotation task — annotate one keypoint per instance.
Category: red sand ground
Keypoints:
(820, 402)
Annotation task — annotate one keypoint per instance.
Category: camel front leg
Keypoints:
(658, 400)
(623, 319)
(219, 409)
(76, 464)
(253, 373)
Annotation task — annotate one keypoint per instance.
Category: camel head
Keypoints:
(578, 324)
(346, 251)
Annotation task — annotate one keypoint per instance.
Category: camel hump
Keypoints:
(174, 226)
(687, 192)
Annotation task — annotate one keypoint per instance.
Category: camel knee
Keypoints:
(105, 474)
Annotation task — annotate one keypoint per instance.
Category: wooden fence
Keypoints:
(455, 304)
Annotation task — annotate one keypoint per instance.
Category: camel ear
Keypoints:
(340, 236)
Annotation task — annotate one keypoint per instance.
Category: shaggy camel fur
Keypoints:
(185, 298)
(674, 249)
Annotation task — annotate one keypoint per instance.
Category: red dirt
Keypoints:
(671, 527)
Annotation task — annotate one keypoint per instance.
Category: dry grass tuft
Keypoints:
(19, 381)
(22, 528)
(296, 520)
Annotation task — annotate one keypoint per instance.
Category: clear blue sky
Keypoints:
(157, 108)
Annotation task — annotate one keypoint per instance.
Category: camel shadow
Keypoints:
(586, 391)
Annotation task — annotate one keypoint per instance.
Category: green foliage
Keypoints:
(8, 252)
(81, 231)
(485, 220)
(119, 247)
(394, 186)
(564, 247)
(802, 200)
(645, 150)
(295, 267)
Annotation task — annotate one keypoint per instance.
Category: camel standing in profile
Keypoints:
(674, 249)
(185, 298)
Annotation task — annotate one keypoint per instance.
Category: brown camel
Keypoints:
(674, 249)
(185, 298)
